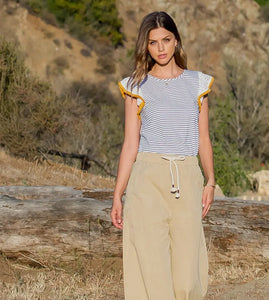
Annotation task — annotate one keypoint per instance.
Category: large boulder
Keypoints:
(260, 181)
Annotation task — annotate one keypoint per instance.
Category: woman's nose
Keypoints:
(160, 46)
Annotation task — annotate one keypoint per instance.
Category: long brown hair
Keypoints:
(143, 60)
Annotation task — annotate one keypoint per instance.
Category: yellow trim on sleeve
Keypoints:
(204, 93)
(125, 92)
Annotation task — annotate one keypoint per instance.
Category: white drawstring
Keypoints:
(172, 159)
(173, 189)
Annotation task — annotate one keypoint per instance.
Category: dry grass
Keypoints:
(231, 270)
(84, 278)
(14, 171)
(236, 272)
(88, 278)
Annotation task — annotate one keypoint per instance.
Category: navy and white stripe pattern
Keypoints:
(170, 115)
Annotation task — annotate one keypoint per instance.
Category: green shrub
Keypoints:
(103, 16)
(93, 125)
(230, 169)
(94, 17)
(36, 6)
(239, 125)
(229, 164)
(61, 63)
(248, 108)
(262, 2)
(264, 11)
(111, 136)
(32, 117)
(29, 109)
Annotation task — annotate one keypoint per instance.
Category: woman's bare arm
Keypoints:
(127, 158)
(206, 156)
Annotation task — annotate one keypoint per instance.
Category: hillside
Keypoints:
(226, 39)
(214, 33)
(49, 51)
(211, 31)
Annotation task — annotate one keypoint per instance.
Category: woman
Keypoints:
(166, 124)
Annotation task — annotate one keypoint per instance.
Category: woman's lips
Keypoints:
(162, 56)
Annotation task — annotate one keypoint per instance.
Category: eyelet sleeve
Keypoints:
(125, 89)
(205, 83)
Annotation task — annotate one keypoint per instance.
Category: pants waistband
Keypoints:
(157, 158)
(173, 161)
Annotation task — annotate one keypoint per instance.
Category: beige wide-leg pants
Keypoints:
(164, 250)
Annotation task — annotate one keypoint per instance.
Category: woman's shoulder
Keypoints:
(126, 83)
(127, 88)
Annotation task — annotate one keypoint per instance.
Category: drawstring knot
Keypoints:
(172, 160)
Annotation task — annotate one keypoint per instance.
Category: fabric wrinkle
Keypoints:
(158, 233)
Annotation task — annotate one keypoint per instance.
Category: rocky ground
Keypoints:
(30, 275)
(33, 274)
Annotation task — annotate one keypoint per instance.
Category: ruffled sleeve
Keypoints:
(125, 89)
(205, 83)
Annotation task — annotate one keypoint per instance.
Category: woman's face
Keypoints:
(161, 45)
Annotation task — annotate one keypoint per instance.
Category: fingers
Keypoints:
(205, 210)
(116, 216)
(208, 197)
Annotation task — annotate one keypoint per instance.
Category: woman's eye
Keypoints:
(152, 42)
(167, 40)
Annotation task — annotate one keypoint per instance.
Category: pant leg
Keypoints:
(188, 248)
(164, 248)
(147, 264)
(134, 287)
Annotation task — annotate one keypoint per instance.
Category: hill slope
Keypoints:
(49, 51)
(211, 30)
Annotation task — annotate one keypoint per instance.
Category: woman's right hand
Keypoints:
(116, 214)
(127, 158)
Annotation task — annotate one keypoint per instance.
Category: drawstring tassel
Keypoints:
(173, 189)
(177, 194)
(172, 159)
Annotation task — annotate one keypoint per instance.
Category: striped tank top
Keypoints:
(169, 111)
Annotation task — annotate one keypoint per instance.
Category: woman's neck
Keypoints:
(168, 71)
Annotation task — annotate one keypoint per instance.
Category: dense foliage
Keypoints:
(249, 102)
(230, 166)
(82, 18)
(262, 2)
(29, 110)
(33, 118)
(239, 125)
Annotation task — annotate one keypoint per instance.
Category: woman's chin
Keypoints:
(162, 62)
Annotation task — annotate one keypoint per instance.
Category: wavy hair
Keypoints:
(143, 61)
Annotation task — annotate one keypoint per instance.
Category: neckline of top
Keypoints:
(168, 79)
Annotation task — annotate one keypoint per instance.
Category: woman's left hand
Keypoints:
(207, 199)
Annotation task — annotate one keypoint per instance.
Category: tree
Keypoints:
(249, 104)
